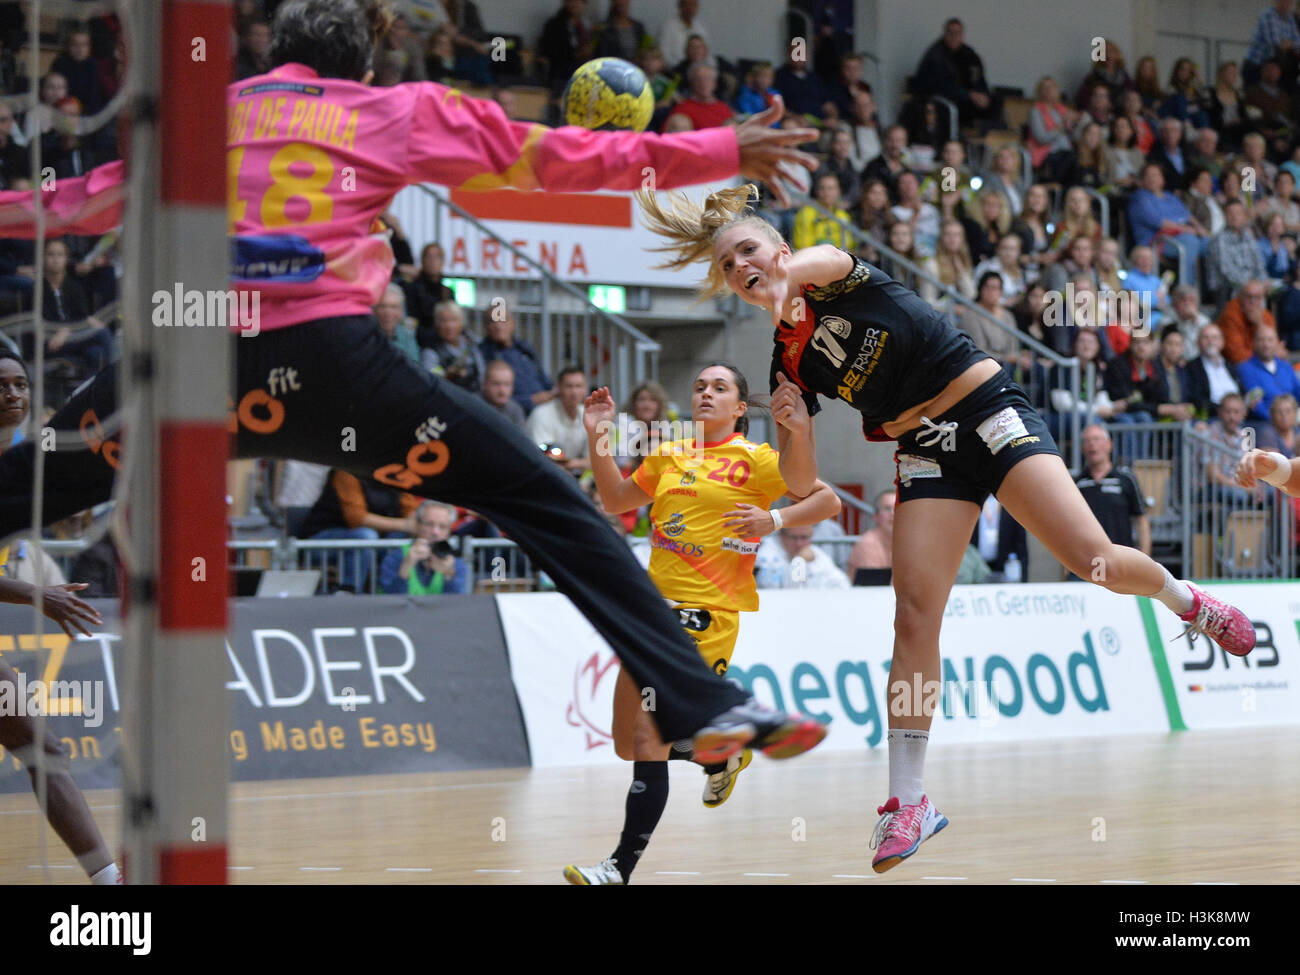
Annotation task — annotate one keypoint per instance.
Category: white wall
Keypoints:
(751, 30)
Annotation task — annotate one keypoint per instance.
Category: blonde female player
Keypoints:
(846, 330)
(710, 497)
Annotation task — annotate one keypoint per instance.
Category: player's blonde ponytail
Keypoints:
(691, 228)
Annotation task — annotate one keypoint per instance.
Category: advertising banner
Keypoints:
(1018, 662)
(1207, 687)
(317, 687)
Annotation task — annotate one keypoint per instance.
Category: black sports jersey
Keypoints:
(872, 343)
(1116, 500)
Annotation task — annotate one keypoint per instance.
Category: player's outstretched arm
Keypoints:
(469, 144)
(617, 493)
(58, 603)
(1271, 468)
(796, 441)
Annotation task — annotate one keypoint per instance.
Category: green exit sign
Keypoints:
(464, 290)
(608, 297)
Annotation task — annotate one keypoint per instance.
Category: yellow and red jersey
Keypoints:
(695, 558)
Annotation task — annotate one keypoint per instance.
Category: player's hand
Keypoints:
(789, 408)
(748, 520)
(763, 149)
(1255, 464)
(597, 408)
(69, 611)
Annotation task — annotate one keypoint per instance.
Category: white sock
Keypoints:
(1175, 594)
(106, 877)
(906, 764)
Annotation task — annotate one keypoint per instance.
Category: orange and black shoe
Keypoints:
(777, 734)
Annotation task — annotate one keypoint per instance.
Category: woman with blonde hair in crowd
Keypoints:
(1227, 113)
(990, 222)
(1035, 227)
(1109, 266)
(951, 264)
(1076, 220)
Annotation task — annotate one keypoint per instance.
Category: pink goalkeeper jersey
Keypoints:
(313, 161)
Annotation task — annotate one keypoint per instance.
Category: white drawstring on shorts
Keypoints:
(936, 432)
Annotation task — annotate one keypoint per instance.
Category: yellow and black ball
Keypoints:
(608, 93)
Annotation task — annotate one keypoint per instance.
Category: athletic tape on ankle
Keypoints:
(1281, 474)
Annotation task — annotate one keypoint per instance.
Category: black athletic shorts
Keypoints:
(966, 452)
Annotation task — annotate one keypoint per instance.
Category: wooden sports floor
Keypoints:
(1201, 807)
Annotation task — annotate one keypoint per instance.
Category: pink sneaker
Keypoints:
(1225, 625)
(902, 830)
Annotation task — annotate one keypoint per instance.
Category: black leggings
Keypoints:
(312, 391)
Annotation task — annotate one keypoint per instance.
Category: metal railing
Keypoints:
(1103, 205)
(1069, 365)
(553, 316)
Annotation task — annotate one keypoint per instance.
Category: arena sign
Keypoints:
(318, 687)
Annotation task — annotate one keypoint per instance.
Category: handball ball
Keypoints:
(608, 93)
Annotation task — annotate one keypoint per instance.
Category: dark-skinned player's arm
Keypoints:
(58, 603)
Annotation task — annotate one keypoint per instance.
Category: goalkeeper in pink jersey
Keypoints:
(315, 155)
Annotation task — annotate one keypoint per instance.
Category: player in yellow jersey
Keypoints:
(710, 494)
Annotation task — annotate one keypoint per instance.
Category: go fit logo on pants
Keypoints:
(1005, 690)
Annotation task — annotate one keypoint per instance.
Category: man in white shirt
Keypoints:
(559, 422)
(678, 30)
(789, 560)
(1189, 318)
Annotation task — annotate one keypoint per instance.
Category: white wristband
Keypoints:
(776, 518)
(1281, 474)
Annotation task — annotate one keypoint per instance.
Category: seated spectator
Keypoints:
(1219, 460)
(1001, 344)
(1173, 379)
(1201, 203)
(1143, 280)
(1268, 372)
(86, 85)
(1151, 210)
(352, 508)
(455, 356)
(566, 43)
(987, 225)
(403, 49)
(1186, 101)
(1232, 257)
(470, 40)
(701, 104)
(997, 537)
(427, 565)
(697, 52)
(440, 56)
(756, 93)
(66, 305)
(1110, 269)
(875, 216)
(802, 90)
(1205, 153)
(1131, 380)
(1094, 403)
(952, 69)
(1078, 260)
(532, 386)
(1185, 312)
(1030, 312)
(922, 216)
(892, 161)
(788, 559)
(1144, 132)
(1076, 220)
(1227, 112)
(811, 227)
(391, 315)
(864, 129)
(902, 243)
(1113, 493)
(254, 54)
(1007, 179)
(425, 292)
(874, 548)
(1006, 264)
(1210, 374)
(663, 86)
(678, 30)
(1280, 434)
(951, 174)
(1109, 73)
(1146, 82)
(1276, 35)
(1099, 111)
(1268, 106)
(498, 390)
(1091, 157)
(1276, 251)
(1034, 227)
(951, 264)
(1050, 124)
(559, 421)
(839, 162)
(15, 163)
(1253, 157)
(1242, 317)
(845, 86)
(1282, 203)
